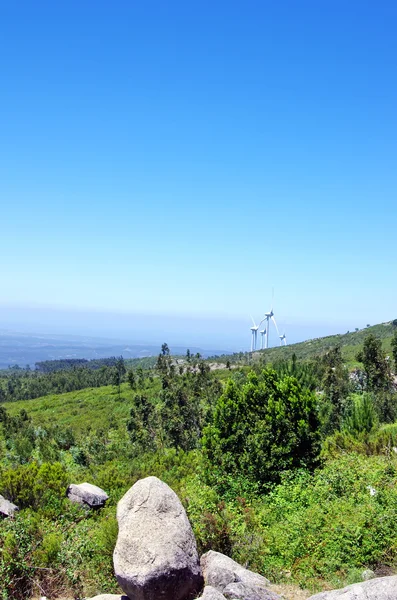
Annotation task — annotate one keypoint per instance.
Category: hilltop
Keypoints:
(350, 344)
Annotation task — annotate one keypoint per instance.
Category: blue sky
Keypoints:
(184, 158)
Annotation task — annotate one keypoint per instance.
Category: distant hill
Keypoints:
(27, 349)
(350, 343)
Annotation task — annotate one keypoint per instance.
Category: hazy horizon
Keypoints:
(216, 332)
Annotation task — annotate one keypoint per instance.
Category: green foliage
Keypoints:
(376, 366)
(385, 403)
(34, 486)
(106, 534)
(131, 379)
(304, 372)
(142, 424)
(379, 441)
(256, 499)
(335, 506)
(311, 528)
(262, 428)
(361, 415)
(394, 349)
(335, 384)
(180, 417)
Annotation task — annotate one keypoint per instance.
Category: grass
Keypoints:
(82, 410)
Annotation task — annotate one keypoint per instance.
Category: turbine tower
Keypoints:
(262, 337)
(254, 331)
(268, 317)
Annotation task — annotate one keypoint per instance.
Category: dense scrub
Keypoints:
(291, 470)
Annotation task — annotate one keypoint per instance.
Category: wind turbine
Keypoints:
(254, 331)
(269, 316)
(262, 336)
(283, 339)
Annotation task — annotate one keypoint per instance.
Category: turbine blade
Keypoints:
(253, 320)
(275, 324)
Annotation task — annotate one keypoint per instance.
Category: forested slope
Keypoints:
(289, 468)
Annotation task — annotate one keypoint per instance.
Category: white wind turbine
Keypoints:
(262, 337)
(283, 337)
(269, 316)
(254, 331)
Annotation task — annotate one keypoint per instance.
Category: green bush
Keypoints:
(261, 429)
(32, 485)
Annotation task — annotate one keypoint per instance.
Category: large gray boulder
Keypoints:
(87, 493)
(155, 557)
(381, 588)
(233, 580)
(7, 508)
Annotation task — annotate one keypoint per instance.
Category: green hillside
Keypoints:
(276, 467)
(350, 344)
(82, 410)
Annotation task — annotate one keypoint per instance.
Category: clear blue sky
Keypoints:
(182, 157)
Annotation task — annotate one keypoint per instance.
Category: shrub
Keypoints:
(262, 428)
(32, 485)
(361, 415)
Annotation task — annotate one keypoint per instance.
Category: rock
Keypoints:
(210, 593)
(233, 580)
(86, 493)
(7, 508)
(155, 554)
(367, 574)
(381, 588)
(108, 597)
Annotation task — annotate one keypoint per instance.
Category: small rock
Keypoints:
(155, 554)
(210, 593)
(87, 493)
(7, 508)
(380, 588)
(367, 574)
(242, 591)
(233, 580)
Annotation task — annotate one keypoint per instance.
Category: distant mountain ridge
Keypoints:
(27, 349)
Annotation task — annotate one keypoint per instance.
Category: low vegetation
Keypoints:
(288, 466)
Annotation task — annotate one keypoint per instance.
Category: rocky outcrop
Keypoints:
(7, 508)
(155, 554)
(233, 580)
(381, 588)
(87, 493)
